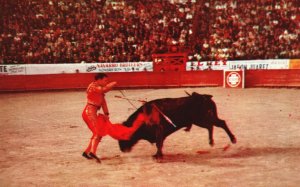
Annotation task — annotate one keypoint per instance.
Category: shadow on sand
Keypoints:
(218, 157)
(202, 156)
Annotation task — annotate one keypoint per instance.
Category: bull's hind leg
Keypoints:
(223, 125)
(209, 126)
(211, 135)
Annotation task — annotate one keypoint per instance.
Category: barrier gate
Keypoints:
(169, 62)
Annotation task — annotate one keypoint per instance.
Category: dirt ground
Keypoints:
(42, 137)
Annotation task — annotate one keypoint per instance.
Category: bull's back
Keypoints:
(171, 104)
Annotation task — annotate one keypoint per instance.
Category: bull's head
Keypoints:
(126, 145)
(146, 130)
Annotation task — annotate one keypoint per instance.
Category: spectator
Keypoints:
(56, 31)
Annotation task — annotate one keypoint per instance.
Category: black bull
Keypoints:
(194, 109)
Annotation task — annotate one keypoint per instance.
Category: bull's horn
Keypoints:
(187, 93)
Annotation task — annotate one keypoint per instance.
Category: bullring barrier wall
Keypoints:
(141, 75)
(125, 80)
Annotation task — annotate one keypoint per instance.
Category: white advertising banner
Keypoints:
(39, 69)
(12, 69)
(36, 69)
(239, 64)
(119, 67)
(206, 65)
(259, 64)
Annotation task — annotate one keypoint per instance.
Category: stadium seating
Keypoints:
(84, 31)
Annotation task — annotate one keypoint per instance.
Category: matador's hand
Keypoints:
(106, 115)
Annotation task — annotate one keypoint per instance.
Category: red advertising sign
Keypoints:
(234, 79)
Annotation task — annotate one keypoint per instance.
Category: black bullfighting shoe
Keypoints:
(86, 155)
(95, 157)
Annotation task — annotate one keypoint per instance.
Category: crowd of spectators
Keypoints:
(259, 29)
(76, 31)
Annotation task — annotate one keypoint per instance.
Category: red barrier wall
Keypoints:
(128, 80)
(253, 78)
(272, 78)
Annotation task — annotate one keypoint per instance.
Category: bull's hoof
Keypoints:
(233, 140)
(211, 143)
(188, 128)
(157, 156)
(125, 150)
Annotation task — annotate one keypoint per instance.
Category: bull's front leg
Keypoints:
(159, 142)
(158, 154)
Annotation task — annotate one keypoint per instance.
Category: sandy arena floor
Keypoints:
(42, 137)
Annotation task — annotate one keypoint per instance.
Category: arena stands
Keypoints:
(76, 31)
